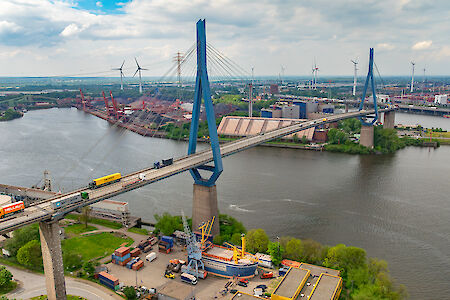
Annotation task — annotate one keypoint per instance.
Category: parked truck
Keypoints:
(188, 278)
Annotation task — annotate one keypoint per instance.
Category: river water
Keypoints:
(397, 207)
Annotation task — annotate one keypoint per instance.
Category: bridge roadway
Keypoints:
(404, 107)
(43, 211)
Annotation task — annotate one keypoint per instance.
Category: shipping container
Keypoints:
(135, 252)
(122, 251)
(147, 249)
(138, 265)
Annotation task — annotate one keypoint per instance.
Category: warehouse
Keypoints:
(291, 284)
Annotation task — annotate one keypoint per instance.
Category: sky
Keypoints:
(71, 37)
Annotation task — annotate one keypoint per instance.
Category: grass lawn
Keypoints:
(95, 245)
(440, 134)
(78, 228)
(8, 288)
(69, 297)
(142, 231)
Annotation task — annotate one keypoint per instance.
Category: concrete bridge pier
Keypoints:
(204, 207)
(366, 138)
(52, 258)
(346, 107)
(389, 119)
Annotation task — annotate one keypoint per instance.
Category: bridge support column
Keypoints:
(366, 138)
(389, 119)
(346, 107)
(204, 207)
(53, 262)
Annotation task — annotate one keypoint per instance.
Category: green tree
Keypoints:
(30, 255)
(236, 239)
(89, 269)
(345, 258)
(304, 140)
(85, 215)
(5, 277)
(336, 136)
(294, 250)
(312, 251)
(130, 292)
(276, 252)
(257, 241)
(21, 237)
(167, 223)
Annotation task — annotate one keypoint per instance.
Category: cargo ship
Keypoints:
(228, 262)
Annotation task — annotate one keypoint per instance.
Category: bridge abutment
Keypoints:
(389, 119)
(52, 258)
(204, 207)
(366, 138)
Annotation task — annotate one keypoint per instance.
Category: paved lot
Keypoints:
(33, 284)
(152, 276)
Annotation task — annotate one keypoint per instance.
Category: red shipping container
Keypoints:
(109, 276)
(135, 252)
(122, 251)
(138, 265)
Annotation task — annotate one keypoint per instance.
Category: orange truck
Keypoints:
(9, 209)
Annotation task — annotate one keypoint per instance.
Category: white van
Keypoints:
(151, 257)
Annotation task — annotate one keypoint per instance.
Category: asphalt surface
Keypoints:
(33, 284)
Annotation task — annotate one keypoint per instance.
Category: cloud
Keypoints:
(422, 45)
(385, 46)
(6, 26)
(70, 29)
(263, 33)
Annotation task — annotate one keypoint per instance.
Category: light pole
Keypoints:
(278, 239)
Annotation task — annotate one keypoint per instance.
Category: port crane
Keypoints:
(194, 250)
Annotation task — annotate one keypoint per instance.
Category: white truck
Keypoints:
(151, 257)
(188, 278)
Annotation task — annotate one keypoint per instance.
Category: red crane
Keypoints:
(114, 106)
(106, 103)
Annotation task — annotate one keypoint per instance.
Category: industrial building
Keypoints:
(245, 126)
(291, 284)
(176, 291)
(326, 286)
(441, 99)
(113, 210)
(309, 282)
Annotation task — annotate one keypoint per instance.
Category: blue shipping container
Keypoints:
(118, 258)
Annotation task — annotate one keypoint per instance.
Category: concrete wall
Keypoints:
(366, 136)
(204, 207)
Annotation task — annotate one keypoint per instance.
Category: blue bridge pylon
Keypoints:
(203, 91)
(366, 85)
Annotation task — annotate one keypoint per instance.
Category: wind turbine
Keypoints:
(315, 70)
(412, 77)
(140, 77)
(354, 77)
(121, 75)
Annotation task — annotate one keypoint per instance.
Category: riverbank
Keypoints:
(9, 115)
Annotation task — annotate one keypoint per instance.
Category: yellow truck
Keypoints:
(105, 180)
